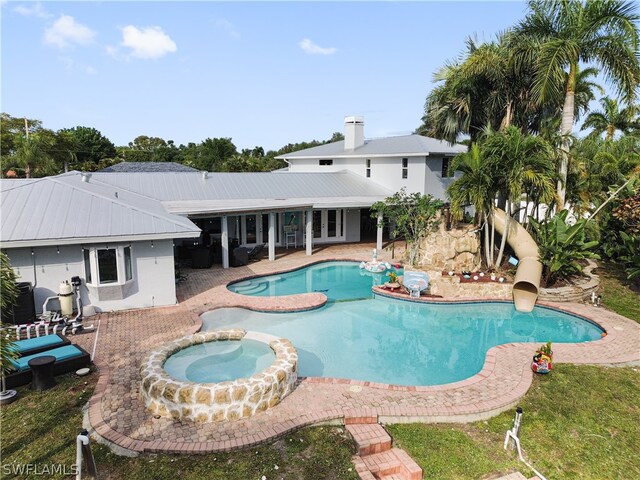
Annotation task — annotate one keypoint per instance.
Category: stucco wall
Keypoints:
(153, 274)
(424, 174)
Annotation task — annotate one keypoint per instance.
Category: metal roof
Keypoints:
(401, 146)
(192, 193)
(148, 167)
(65, 210)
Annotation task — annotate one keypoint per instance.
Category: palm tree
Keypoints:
(8, 294)
(474, 187)
(481, 89)
(32, 157)
(521, 165)
(611, 119)
(558, 35)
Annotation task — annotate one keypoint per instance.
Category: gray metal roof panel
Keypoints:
(244, 186)
(165, 167)
(388, 146)
(65, 208)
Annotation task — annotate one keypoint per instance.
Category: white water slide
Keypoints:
(527, 282)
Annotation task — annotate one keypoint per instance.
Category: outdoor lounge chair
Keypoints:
(239, 257)
(35, 345)
(68, 359)
(255, 252)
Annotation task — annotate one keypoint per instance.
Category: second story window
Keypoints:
(325, 162)
(446, 162)
(405, 167)
(368, 168)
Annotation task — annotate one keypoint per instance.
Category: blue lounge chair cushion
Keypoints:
(62, 353)
(38, 342)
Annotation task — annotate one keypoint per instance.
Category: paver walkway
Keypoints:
(117, 414)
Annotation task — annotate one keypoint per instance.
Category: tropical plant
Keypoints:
(611, 119)
(629, 255)
(481, 89)
(413, 216)
(561, 246)
(558, 35)
(31, 155)
(474, 186)
(521, 166)
(8, 295)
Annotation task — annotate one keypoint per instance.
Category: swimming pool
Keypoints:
(337, 280)
(399, 342)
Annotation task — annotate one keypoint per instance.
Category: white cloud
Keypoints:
(227, 26)
(36, 10)
(90, 70)
(312, 49)
(66, 31)
(147, 42)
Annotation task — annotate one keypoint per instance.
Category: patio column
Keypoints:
(379, 235)
(224, 239)
(272, 236)
(309, 233)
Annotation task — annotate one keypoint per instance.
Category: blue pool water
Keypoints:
(393, 341)
(337, 280)
(214, 362)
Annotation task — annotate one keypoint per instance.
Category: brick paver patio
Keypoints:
(117, 414)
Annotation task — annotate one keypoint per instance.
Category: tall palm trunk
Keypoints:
(487, 246)
(611, 129)
(566, 127)
(505, 234)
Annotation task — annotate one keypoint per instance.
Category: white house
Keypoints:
(122, 232)
(419, 164)
(119, 242)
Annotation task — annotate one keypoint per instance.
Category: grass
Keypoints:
(40, 428)
(579, 422)
(617, 292)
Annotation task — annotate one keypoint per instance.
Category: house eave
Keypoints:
(54, 242)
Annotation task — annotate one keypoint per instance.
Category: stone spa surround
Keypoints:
(215, 402)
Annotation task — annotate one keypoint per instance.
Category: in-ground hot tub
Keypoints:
(219, 360)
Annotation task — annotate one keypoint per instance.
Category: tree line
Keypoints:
(30, 150)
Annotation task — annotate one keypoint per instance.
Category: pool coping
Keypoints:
(501, 362)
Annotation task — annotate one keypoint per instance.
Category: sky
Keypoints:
(264, 73)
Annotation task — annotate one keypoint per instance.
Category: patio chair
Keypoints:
(68, 359)
(255, 252)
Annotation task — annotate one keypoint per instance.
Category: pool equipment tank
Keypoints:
(65, 295)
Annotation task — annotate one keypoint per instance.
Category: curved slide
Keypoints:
(529, 272)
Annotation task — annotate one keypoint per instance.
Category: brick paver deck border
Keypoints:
(117, 413)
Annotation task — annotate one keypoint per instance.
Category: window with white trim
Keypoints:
(446, 162)
(368, 163)
(405, 168)
(325, 163)
(109, 265)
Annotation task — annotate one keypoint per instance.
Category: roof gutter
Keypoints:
(106, 239)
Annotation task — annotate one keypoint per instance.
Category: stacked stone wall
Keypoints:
(457, 249)
(215, 402)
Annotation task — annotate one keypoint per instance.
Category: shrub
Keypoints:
(561, 246)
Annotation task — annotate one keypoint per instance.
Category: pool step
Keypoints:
(376, 460)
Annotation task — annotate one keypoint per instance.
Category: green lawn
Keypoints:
(617, 292)
(40, 428)
(579, 422)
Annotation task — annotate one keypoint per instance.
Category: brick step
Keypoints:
(393, 462)
(361, 468)
(369, 438)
